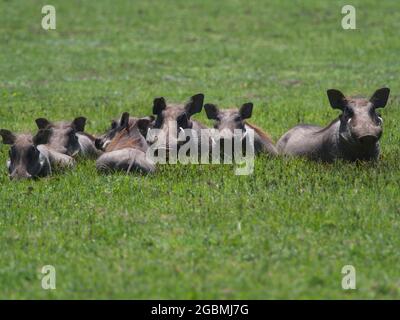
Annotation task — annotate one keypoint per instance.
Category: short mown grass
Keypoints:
(200, 231)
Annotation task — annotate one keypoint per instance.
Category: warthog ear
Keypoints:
(183, 121)
(336, 99)
(42, 137)
(79, 124)
(8, 136)
(144, 123)
(195, 104)
(42, 123)
(114, 124)
(124, 122)
(159, 105)
(380, 97)
(211, 111)
(246, 110)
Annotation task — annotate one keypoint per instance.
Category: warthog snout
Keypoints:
(20, 175)
(368, 139)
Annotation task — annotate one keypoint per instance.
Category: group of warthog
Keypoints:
(354, 135)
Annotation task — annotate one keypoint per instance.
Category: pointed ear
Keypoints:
(336, 99)
(159, 105)
(211, 111)
(42, 137)
(246, 110)
(8, 136)
(79, 124)
(124, 122)
(195, 104)
(42, 123)
(114, 124)
(380, 97)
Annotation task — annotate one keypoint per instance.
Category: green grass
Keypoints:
(200, 231)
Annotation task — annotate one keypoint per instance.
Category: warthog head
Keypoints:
(359, 122)
(228, 120)
(25, 160)
(63, 136)
(125, 131)
(171, 119)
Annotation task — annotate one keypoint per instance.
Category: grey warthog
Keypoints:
(69, 137)
(29, 156)
(353, 136)
(228, 120)
(171, 119)
(124, 146)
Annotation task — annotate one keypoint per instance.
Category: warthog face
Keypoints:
(124, 125)
(25, 161)
(359, 122)
(172, 119)
(228, 120)
(63, 136)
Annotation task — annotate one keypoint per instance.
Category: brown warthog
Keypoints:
(228, 120)
(124, 146)
(69, 137)
(29, 156)
(171, 119)
(353, 136)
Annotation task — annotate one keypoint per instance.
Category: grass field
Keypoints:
(200, 231)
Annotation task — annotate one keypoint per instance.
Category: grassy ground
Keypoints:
(200, 231)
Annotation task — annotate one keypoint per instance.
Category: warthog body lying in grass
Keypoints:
(30, 157)
(124, 146)
(69, 137)
(353, 136)
(228, 120)
(171, 119)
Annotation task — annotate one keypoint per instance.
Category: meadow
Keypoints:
(199, 231)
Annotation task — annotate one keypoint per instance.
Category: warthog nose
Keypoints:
(16, 176)
(368, 139)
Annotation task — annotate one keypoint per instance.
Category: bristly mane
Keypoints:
(327, 127)
(260, 132)
(88, 135)
(124, 139)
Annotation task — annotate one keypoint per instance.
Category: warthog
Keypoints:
(124, 146)
(353, 136)
(69, 137)
(171, 119)
(29, 155)
(228, 120)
